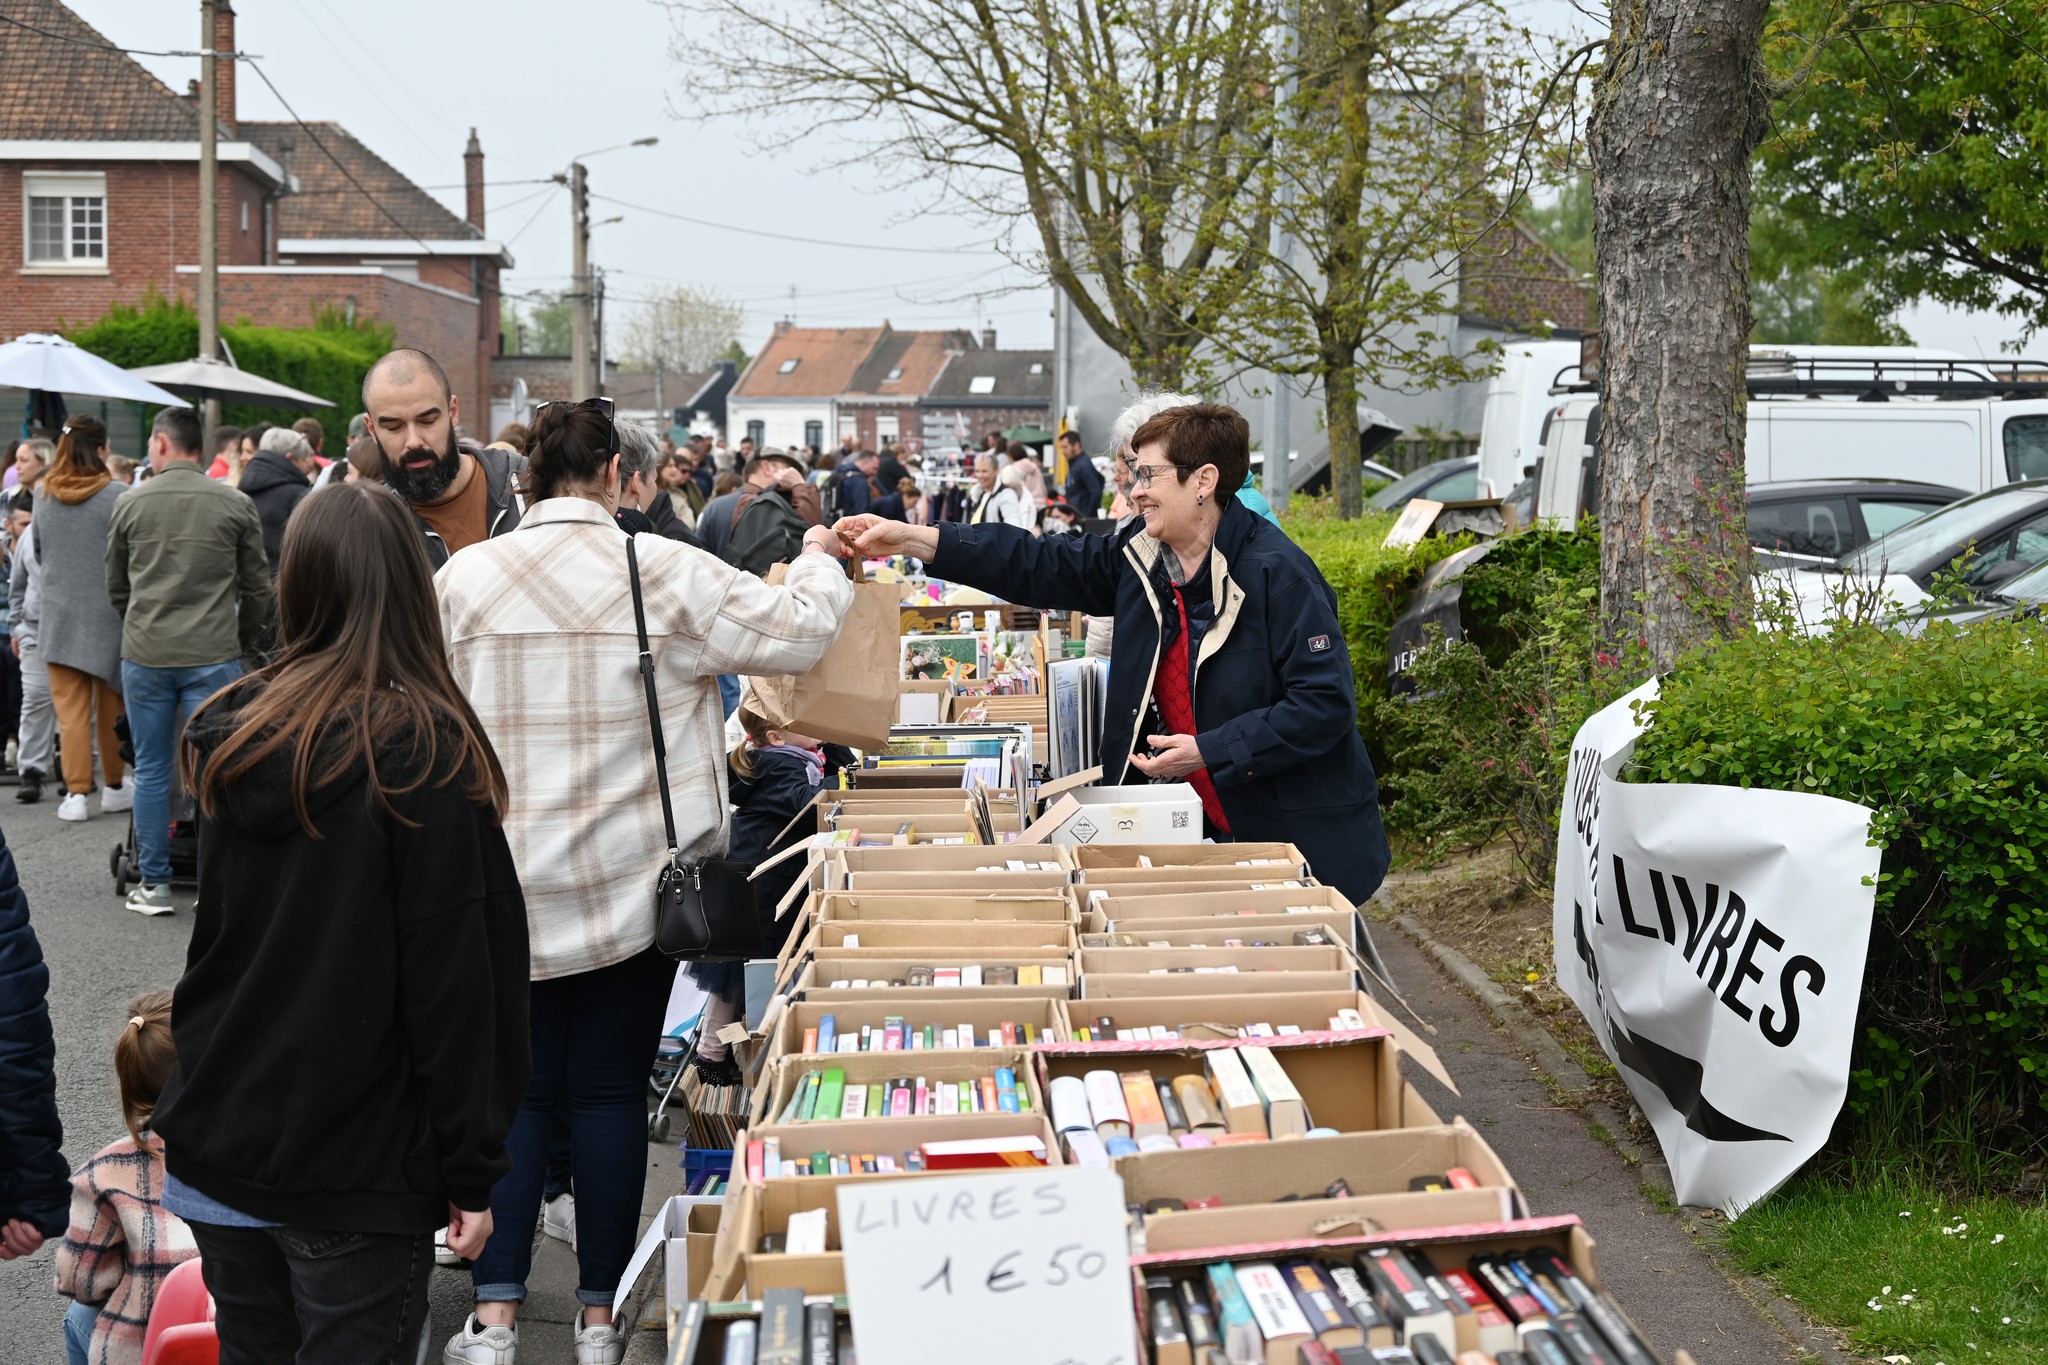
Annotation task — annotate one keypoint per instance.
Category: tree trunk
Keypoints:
(1340, 417)
(1679, 108)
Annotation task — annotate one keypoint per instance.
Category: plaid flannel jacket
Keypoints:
(121, 1244)
(540, 635)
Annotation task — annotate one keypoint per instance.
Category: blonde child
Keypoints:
(122, 1241)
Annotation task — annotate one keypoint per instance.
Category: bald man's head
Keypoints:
(405, 367)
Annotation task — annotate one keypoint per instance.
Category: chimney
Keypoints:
(224, 67)
(988, 338)
(473, 181)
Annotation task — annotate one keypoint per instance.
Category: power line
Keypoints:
(547, 200)
(807, 241)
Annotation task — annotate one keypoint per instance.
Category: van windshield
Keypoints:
(1957, 524)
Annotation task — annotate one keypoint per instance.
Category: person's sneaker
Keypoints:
(477, 1344)
(442, 1255)
(73, 807)
(118, 800)
(599, 1345)
(31, 789)
(558, 1219)
(151, 900)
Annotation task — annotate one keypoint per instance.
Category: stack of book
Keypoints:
(826, 1094)
(1244, 1095)
(896, 1036)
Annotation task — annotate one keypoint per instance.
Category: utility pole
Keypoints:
(660, 403)
(209, 214)
(582, 383)
(597, 286)
(1279, 440)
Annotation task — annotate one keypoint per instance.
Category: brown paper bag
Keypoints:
(850, 696)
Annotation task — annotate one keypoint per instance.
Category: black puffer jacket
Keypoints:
(277, 488)
(35, 1180)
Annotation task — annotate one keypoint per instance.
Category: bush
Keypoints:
(327, 359)
(1372, 583)
(1944, 735)
(1482, 746)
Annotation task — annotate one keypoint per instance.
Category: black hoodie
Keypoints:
(351, 1026)
(277, 488)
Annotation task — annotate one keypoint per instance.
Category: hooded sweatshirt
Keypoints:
(351, 1026)
(277, 488)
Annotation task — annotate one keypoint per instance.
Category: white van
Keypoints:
(1840, 412)
(1517, 399)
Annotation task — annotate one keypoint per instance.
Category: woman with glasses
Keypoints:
(1228, 669)
(542, 637)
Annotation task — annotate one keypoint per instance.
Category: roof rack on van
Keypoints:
(1783, 375)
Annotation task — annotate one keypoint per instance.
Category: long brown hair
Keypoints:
(82, 450)
(143, 1058)
(362, 664)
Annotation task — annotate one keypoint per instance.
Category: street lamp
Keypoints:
(586, 375)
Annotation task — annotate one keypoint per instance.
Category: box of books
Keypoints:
(816, 1028)
(786, 1326)
(1196, 969)
(1526, 1285)
(1117, 1099)
(1125, 985)
(1163, 812)
(1253, 860)
(963, 975)
(801, 1089)
(979, 904)
(957, 883)
(896, 1146)
(1177, 881)
(774, 1225)
(1246, 931)
(1176, 1224)
(850, 940)
(980, 859)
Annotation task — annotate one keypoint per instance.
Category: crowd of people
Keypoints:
(439, 725)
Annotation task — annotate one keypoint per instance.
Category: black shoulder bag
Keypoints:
(703, 911)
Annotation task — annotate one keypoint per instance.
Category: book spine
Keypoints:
(821, 1334)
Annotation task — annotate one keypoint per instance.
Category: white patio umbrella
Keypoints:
(39, 361)
(203, 378)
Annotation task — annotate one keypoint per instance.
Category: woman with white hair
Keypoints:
(277, 479)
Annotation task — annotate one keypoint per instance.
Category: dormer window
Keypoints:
(787, 367)
(894, 375)
(982, 383)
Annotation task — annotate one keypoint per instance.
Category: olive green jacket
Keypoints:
(186, 570)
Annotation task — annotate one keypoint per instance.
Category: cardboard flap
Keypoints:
(1060, 786)
(1056, 814)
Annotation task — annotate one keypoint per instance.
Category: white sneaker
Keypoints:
(558, 1219)
(118, 800)
(73, 807)
(600, 1345)
(156, 900)
(442, 1255)
(477, 1344)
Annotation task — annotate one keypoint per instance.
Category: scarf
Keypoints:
(813, 760)
(68, 487)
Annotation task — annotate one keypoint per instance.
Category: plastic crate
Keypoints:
(701, 1161)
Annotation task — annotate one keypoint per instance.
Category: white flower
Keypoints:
(2000, 1237)
(1905, 1298)
(1905, 1213)
(1886, 1290)
(2006, 1321)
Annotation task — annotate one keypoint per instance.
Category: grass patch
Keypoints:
(1904, 1269)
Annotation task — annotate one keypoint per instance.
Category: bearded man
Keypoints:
(461, 494)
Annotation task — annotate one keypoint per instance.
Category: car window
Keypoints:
(1807, 526)
(2026, 447)
(1882, 516)
(2026, 545)
(1396, 494)
(1460, 485)
(1956, 524)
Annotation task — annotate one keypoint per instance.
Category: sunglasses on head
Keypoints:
(599, 405)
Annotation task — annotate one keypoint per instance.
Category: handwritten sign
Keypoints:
(1026, 1267)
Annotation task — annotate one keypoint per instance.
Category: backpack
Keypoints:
(768, 532)
(831, 496)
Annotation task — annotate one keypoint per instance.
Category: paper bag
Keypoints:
(850, 696)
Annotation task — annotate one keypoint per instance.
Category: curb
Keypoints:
(1534, 1038)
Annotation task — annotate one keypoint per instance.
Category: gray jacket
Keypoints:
(25, 590)
(80, 628)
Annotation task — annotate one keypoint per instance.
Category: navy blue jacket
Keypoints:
(35, 1180)
(1084, 487)
(1276, 711)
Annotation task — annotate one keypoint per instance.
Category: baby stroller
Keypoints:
(125, 862)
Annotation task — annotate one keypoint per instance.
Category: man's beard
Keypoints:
(426, 485)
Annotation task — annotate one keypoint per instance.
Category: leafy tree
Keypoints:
(736, 353)
(542, 327)
(1127, 136)
(1913, 146)
(685, 327)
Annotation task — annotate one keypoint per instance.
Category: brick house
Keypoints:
(982, 389)
(881, 404)
(789, 393)
(99, 167)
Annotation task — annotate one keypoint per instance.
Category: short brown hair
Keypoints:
(315, 434)
(1196, 434)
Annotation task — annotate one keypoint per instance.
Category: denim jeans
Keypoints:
(79, 1320)
(315, 1297)
(158, 700)
(594, 1036)
(729, 693)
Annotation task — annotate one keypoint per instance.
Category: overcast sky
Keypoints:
(546, 81)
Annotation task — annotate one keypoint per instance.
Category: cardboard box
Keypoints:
(1349, 1081)
(1203, 970)
(815, 981)
(895, 939)
(1248, 931)
(1045, 1015)
(880, 826)
(956, 883)
(1186, 1229)
(1150, 881)
(1039, 905)
(759, 1210)
(893, 1137)
(943, 859)
(1279, 860)
(685, 1231)
(785, 1077)
(1123, 986)
(1165, 812)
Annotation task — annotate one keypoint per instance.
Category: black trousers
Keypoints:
(10, 692)
(303, 1297)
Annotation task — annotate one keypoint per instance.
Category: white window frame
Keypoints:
(888, 426)
(982, 384)
(80, 193)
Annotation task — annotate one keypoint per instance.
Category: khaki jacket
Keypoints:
(186, 571)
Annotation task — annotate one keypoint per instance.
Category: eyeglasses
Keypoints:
(1143, 474)
(599, 405)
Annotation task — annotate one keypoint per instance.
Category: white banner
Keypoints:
(1714, 938)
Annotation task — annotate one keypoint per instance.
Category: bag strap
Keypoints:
(668, 814)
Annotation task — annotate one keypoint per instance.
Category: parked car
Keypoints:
(1441, 481)
(1828, 518)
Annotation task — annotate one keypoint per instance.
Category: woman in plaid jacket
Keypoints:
(541, 637)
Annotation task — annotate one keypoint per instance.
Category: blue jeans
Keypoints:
(729, 693)
(594, 1036)
(79, 1320)
(158, 700)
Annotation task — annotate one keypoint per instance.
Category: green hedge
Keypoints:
(1945, 735)
(328, 358)
(1372, 584)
